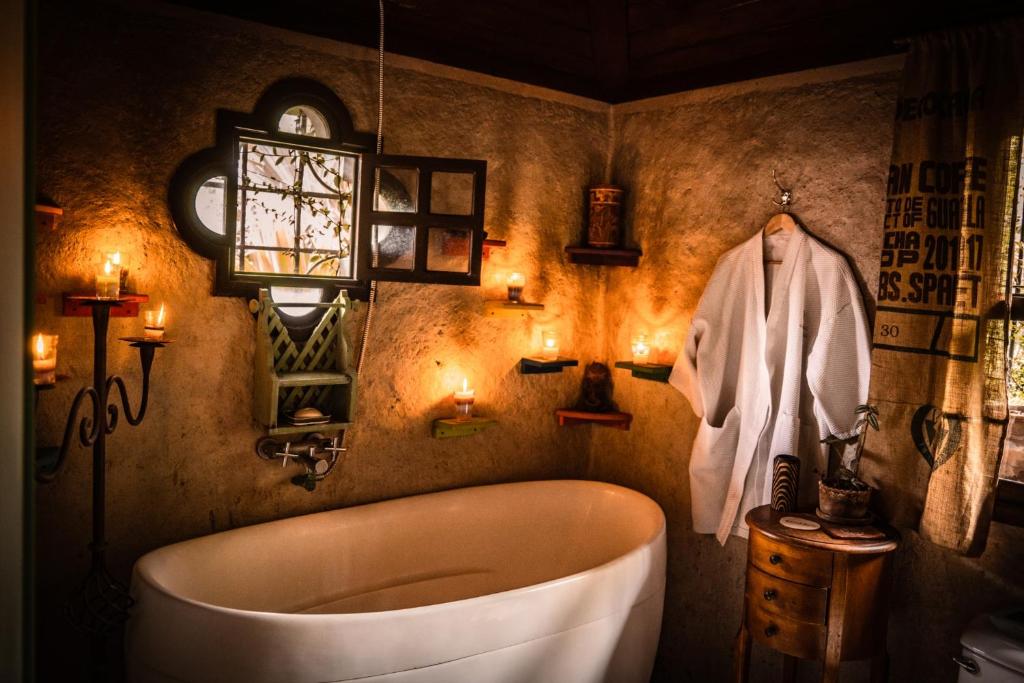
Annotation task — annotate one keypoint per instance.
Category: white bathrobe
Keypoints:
(769, 380)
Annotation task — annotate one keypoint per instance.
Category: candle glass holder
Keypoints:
(44, 359)
(153, 322)
(108, 281)
(549, 346)
(121, 263)
(463, 408)
(515, 283)
(641, 350)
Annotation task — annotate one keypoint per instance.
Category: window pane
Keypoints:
(294, 211)
(210, 204)
(448, 250)
(288, 295)
(394, 246)
(303, 120)
(451, 193)
(398, 189)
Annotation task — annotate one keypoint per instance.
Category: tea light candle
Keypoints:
(154, 323)
(120, 264)
(641, 350)
(515, 282)
(44, 358)
(108, 282)
(464, 401)
(549, 346)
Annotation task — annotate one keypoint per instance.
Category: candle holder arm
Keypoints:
(146, 358)
(88, 431)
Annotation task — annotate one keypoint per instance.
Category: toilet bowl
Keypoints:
(993, 648)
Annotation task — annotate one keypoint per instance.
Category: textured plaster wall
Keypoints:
(698, 169)
(124, 96)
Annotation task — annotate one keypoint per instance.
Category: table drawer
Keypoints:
(785, 598)
(790, 562)
(796, 638)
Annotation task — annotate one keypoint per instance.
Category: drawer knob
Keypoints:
(771, 630)
(775, 559)
(770, 594)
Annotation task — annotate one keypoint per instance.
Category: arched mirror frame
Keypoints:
(221, 161)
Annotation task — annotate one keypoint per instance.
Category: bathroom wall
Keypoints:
(698, 169)
(128, 91)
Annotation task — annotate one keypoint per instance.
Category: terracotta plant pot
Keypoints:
(844, 498)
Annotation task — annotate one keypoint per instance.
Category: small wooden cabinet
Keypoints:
(812, 594)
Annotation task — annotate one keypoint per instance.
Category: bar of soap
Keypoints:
(801, 523)
(307, 413)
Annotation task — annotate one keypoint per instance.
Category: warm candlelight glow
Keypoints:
(108, 268)
(464, 401)
(44, 358)
(160, 318)
(515, 282)
(641, 350)
(108, 282)
(549, 345)
(153, 322)
(115, 258)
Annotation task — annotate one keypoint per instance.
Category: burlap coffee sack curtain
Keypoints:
(939, 357)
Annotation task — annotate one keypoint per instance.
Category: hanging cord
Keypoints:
(371, 299)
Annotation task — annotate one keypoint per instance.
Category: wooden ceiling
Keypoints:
(619, 50)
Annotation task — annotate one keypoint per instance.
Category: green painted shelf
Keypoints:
(650, 371)
(449, 427)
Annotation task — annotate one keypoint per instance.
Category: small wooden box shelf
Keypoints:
(505, 308)
(598, 256)
(651, 371)
(449, 427)
(542, 366)
(568, 418)
(314, 373)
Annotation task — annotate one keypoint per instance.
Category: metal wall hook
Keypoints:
(785, 195)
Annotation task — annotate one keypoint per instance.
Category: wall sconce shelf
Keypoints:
(600, 256)
(648, 371)
(492, 244)
(48, 217)
(449, 427)
(542, 366)
(568, 418)
(77, 305)
(505, 308)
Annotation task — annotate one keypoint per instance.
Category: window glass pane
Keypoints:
(210, 204)
(451, 193)
(394, 246)
(398, 189)
(448, 250)
(303, 120)
(288, 295)
(294, 211)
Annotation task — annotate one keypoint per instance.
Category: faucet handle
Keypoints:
(335, 448)
(286, 454)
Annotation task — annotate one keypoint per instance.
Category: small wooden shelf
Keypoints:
(289, 429)
(312, 379)
(598, 256)
(449, 427)
(651, 371)
(543, 366)
(504, 307)
(492, 244)
(568, 418)
(79, 305)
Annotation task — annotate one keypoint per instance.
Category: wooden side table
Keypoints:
(821, 594)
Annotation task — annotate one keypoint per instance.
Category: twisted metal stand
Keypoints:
(101, 603)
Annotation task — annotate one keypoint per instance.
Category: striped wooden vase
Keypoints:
(785, 483)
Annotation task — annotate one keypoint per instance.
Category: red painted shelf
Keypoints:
(127, 305)
(568, 417)
(598, 256)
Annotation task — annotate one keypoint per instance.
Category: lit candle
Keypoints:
(515, 282)
(154, 323)
(120, 264)
(108, 282)
(641, 350)
(549, 345)
(464, 401)
(44, 358)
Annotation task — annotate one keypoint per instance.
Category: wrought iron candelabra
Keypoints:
(102, 602)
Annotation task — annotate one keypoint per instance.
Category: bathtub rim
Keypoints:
(481, 600)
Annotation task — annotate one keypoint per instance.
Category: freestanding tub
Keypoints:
(535, 582)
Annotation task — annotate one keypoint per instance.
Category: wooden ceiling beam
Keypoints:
(610, 39)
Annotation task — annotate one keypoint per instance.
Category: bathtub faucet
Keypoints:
(318, 456)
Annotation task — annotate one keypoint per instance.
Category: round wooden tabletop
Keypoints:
(868, 539)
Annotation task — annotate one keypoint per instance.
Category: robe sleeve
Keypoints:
(839, 364)
(684, 375)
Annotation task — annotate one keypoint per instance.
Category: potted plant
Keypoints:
(842, 496)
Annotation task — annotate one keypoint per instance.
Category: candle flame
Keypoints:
(115, 258)
(40, 349)
(108, 268)
(465, 384)
(160, 316)
(549, 343)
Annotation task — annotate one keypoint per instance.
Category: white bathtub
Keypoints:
(535, 582)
